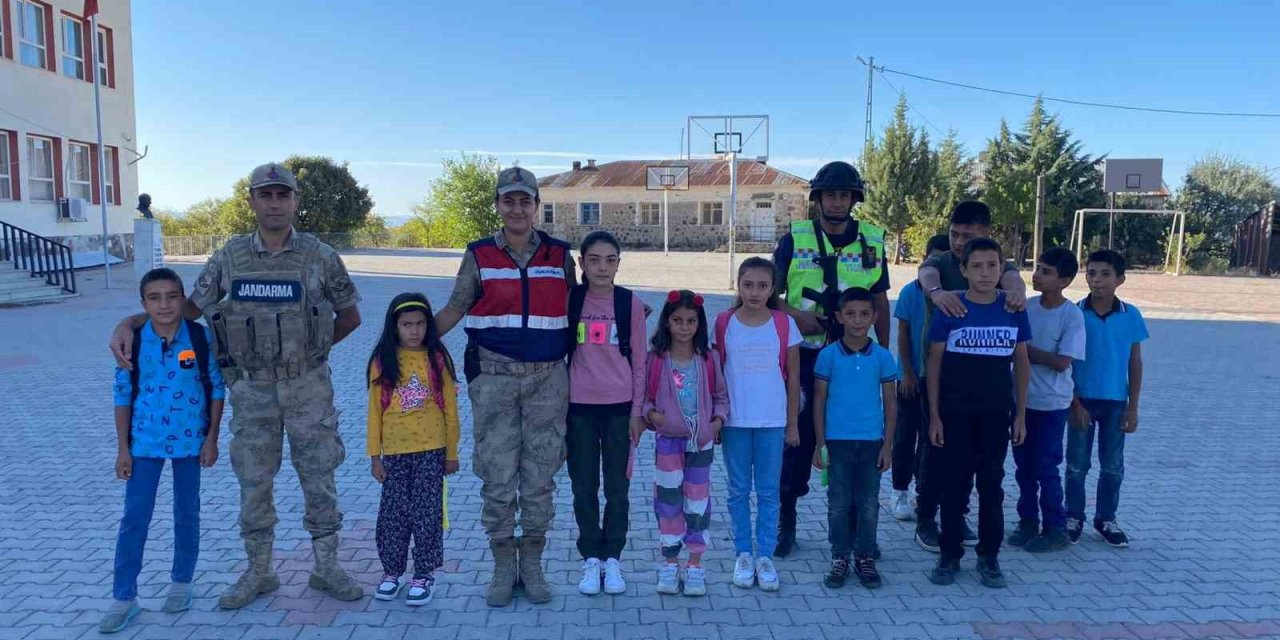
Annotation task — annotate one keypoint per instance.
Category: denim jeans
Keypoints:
(853, 483)
(1106, 420)
(1037, 460)
(139, 504)
(753, 455)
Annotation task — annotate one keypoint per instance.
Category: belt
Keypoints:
(517, 368)
(285, 371)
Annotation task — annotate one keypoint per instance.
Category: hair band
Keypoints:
(406, 305)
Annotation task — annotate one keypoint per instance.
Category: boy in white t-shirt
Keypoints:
(1057, 337)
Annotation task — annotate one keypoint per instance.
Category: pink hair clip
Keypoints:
(673, 296)
(697, 300)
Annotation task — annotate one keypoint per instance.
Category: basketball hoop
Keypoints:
(666, 178)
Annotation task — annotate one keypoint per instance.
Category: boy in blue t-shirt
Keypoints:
(170, 411)
(1108, 383)
(911, 439)
(970, 393)
(853, 424)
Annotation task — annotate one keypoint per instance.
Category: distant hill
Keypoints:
(396, 221)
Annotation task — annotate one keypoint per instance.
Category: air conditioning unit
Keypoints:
(73, 209)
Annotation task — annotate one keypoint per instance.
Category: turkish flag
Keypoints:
(90, 8)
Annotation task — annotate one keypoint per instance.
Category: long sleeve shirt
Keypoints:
(412, 421)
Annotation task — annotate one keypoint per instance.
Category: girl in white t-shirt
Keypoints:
(759, 346)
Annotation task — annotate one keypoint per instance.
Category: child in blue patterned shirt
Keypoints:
(169, 407)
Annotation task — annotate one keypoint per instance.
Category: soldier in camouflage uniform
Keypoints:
(512, 289)
(278, 300)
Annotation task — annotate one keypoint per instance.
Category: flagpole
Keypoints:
(102, 151)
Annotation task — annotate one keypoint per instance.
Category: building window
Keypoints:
(6, 38)
(104, 57)
(33, 34)
(650, 214)
(8, 167)
(113, 167)
(40, 158)
(80, 171)
(711, 213)
(548, 213)
(589, 213)
(73, 48)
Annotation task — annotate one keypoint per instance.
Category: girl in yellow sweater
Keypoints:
(413, 443)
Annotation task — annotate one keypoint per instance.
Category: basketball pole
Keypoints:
(666, 224)
(733, 211)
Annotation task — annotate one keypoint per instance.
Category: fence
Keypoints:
(206, 245)
(1257, 242)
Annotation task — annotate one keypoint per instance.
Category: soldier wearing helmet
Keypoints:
(817, 260)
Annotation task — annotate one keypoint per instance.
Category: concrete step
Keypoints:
(22, 284)
(33, 296)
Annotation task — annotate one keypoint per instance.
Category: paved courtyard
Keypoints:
(1201, 501)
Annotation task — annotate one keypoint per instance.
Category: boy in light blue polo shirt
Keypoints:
(853, 421)
(169, 408)
(1108, 383)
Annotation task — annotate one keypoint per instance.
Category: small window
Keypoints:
(6, 170)
(711, 213)
(32, 38)
(73, 48)
(113, 197)
(80, 174)
(548, 213)
(40, 159)
(650, 214)
(101, 60)
(589, 213)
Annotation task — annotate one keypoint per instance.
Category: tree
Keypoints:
(950, 181)
(898, 168)
(200, 219)
(330, 199)
(460, 207)
(1217, 193)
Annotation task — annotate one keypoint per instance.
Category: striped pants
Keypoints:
(682, 496)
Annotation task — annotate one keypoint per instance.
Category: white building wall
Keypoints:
(39, 102)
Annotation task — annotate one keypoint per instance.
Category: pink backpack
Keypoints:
(780, 325)
(654, 377)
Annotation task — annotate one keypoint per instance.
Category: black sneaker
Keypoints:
(989, 573)
(969, 539)
(420, 591)
(945, 572)
(786, 543)
(1074, 528)
(927, 536)
(1027, 531)
(1053, 539)
(837, 574)
(1111, 532)
(865, 567)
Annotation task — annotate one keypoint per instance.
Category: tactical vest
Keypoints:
(522, 312)
(269, 327)
(860, 264)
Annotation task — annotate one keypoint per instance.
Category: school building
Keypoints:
(614, 197)
(49, 179)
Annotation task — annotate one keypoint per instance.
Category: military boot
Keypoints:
(535, 584)
(504, 572)
(258, 579)
(330, 577)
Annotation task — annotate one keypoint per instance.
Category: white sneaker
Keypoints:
(613, 582)
(669, 579)
(590, 583)
(744, 575)
(695, 581)
(902, 509)
(767, 574)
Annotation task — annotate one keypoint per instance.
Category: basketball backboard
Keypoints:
(1132, 175)
(666, 177)
(745, 135)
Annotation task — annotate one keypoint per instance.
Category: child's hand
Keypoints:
(1019, 431)
(792, 437)
(450, 467)
(1015, 301)
(1080, 417)
(637, 428)
(935, 432)
(657, 418)
(1130, 420)
(886, 457)
(209, 453)
(380, 474)
(716, 425)
(817, 458)
(124, 465)
(908, 386)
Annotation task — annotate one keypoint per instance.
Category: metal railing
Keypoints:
(38, 255)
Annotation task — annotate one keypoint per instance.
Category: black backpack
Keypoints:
(199, 343)
(622, 299)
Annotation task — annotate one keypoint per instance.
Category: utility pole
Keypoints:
(1037, 239)
(866, 134)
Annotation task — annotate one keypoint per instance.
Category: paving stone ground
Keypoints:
(1200, 501)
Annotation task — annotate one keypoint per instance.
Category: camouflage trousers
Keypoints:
(518, 412)
(262, 413)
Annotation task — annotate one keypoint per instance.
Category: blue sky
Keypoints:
(393, 86)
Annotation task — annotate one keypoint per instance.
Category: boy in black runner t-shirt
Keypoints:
(970, 393)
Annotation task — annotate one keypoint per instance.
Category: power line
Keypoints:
(1085, 103)
(909, 105)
